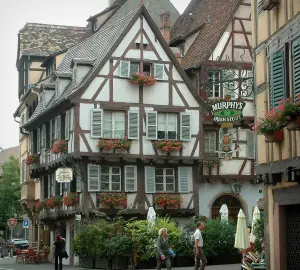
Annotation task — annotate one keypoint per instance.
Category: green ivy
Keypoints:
(258, 231)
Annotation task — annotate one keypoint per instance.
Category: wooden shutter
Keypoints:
(185, 127)
(159, 71)
(44, 136)
(57, 127)
(221, 144)
(133, 125)
(277, 78)
(130, 178)
(78, 183)
(124, 69)
(67, 125)
(150, 180)
(96, 123)
(38, 140)
(42, 187)
(93, 178)
(250, 145)
(152, 125)
(296, 67)
(31, 143)
(183, 179)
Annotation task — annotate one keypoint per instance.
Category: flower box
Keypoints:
(70, 199)
(40, 205)
(168, 146)
(53, 202)
(115, 144)
(277, 136)
(290, 112)
(142, 79)
(168, 200)
(112, 200)
(60, 146)
(212, 163)
(33, 159)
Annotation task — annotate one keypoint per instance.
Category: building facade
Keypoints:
(90, 108)
(215, 42)
(276, 42)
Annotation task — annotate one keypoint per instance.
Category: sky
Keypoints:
(14, 14)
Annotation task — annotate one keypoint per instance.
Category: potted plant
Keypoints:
(290, 112)
(70, 199)
(142, 79)
(115, 144)
(184, 250)
(59, 146)
(112, 199)
(168, 200)
(53, 201)
(212, 163)
(271, 126)
(168, 146)
(32, 159)
(40, 205)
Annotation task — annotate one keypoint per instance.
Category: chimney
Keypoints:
(165, 26)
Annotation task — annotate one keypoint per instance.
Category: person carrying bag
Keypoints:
(59, 252)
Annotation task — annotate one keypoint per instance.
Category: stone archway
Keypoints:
(233, 202)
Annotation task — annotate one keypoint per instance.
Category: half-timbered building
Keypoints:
(122, 137)
(215, 38)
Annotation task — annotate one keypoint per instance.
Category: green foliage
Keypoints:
(10, 191)
(118, 245)
(258, 231)
(186, 246)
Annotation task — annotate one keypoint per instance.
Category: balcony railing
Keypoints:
(47, 156)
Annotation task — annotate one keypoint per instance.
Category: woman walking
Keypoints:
(162, 250)
(59, 245)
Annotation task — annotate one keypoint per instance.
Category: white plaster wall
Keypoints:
(85, 116)
(130, 197)
(230, 167)
(176, 75)
(249, 109)
(243, 12)
(126, 92)
(133, 54)
(81, 72)
(188, 148)
(149, 55)
(83, 147)
(127, 39)
(92, 88)
(147, 147)
(157, 94)
(68, 244)
(221, 44)
(150, 199)
(177, 101)
(249, 193)
(187, 95)
(62, 84)
(92, 142)
(135, 147)
(72, 124)
(105, 70)
(104, 93)
(186, 199)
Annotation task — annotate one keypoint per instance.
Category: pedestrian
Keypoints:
(162, 249)
(59, 245)
(199, 253)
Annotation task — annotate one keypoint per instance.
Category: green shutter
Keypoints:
(277, 78)
(296, 66)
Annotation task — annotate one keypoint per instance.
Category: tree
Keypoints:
(10, 191)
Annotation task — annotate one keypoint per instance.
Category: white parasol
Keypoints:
(242, 235)
(224, 213)
(151, 216)
(256, 216)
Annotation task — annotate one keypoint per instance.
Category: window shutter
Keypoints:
(43, 136)
(221, 137)
(159, 71)
(57, 127)
(130, 178)
(296, 67)
(42, 187)
(50, 133)
(67, 125)
(124, 69)
(78, 184)
(150, 179)
(185, 132)
(93, 178)
(277, 78)
(152, 125)
(38, 140)
(133, 125)
(96, 123)
(31, 143)
(250, 145)
(183, 178)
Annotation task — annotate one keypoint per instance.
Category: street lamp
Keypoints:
(237, 188)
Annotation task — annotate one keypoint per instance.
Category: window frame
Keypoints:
(213, 96)
(166, 126)
(113, 123)
(164, 180)
(209, 138)
(110, 183)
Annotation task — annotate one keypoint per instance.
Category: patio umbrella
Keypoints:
(151, 216)
(256, 216)
(224, 213)
(241, 236)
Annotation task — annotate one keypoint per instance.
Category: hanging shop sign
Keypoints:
(227, 111)
(64, 175)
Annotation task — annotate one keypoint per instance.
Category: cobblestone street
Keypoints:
(9, 264)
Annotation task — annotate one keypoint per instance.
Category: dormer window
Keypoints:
(128, 68)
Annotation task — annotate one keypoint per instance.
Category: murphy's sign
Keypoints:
(227, 111)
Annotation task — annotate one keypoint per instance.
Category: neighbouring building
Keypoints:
(5, 154)
(215, 40)
(276, 47)
(119, 136)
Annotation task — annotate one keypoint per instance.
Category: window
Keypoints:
(247, 85)
(164, 180)
(296, 67)
(110, 178)
(159, 71)
(135, 67)
(167, 126)
(210, 142)
(113, 125)
(214, 78)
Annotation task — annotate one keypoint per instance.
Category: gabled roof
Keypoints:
(46, 39)
(123, 7)
(210, 18)
(98, 48)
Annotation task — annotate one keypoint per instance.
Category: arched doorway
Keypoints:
(234, 205)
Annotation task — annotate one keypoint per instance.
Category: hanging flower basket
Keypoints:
(277, 136)
(53, 202)
(33, 159)
(70, 199)
(115, 144)
(212, 163)
(112, 199)
(168, 146)
(40, 205)
(142, 79)
(60, 146)
(168, 200)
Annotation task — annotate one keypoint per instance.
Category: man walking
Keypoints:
(199, 253)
